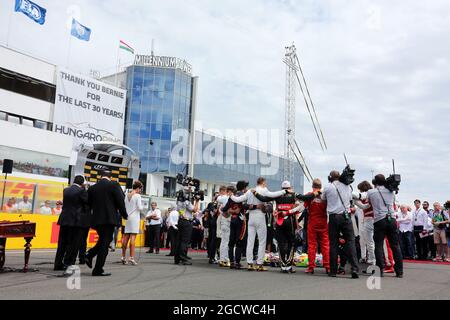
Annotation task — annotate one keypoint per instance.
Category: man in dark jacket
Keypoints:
(106, 198)
(72, 221)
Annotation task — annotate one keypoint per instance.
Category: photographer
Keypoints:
(186, 208)
(381, 199)
(338, 197)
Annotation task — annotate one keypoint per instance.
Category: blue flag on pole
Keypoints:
(79, 31)
(31, 10)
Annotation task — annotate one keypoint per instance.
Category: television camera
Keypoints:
(191, 189)
(393, 181)
(348, 174)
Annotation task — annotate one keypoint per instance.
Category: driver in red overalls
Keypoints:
(317, 229)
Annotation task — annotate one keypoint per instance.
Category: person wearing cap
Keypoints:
(237, 225)
(286, 223)
(257, 223)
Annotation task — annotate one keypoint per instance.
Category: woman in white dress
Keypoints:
(133, 204)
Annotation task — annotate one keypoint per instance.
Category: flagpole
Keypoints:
(68, 53)
(9, 27)
(118, 65)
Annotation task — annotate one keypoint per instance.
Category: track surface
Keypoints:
(156, 277)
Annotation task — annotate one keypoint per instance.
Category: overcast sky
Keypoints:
(378, 71)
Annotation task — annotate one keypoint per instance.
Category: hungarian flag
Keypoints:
(126, 47)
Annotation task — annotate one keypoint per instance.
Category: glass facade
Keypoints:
(233, 162)
(159, 101)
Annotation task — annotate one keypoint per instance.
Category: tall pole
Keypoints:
(290, 112)
(118, 66)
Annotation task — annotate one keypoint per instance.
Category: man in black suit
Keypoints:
(106, 198)
(73, 220)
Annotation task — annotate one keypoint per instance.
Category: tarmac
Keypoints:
(157, 278)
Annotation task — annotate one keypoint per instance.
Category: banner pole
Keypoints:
(117, 65)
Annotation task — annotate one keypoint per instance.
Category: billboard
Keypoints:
(88, 110)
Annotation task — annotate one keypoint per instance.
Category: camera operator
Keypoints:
(385, 226)
(185, 207)
(338, 197)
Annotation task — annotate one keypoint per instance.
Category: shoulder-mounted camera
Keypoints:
(393, 182)
(347, 176)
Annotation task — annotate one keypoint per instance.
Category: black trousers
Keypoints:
(154, 236)
(172, 237)
(285, 235)
(421, 246)
(83, 245)
(183, 239)
(387, 229)
(69, 242)
(235, 241)
(101, 248)
(212, 243)
(338, 224)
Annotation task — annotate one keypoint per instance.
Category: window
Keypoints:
(28, 122)
(40, 124)
(14, 119)
(25, 85)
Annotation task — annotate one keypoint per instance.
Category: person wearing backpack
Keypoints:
(440, 220)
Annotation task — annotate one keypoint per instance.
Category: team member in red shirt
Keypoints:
(317, 229)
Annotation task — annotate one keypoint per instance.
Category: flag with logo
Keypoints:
(31, 10)
(79, 31)
(126, 47)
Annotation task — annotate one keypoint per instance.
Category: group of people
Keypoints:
(25, 206)
(343, 225)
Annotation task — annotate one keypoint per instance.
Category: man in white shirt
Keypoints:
(420, 223)
(153, 220)
(257, 223)
(25, 205)
(172, 227)
(406, 228)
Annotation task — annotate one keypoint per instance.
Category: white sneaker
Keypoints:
(124, 260)
(132, 262)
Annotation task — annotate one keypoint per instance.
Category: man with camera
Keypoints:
(187, 204)
(385, 226)
(338, 196)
